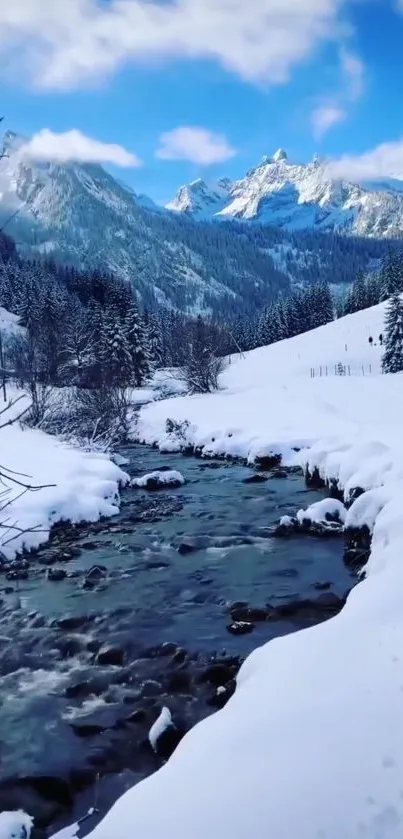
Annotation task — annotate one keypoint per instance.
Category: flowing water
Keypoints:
(66, 713)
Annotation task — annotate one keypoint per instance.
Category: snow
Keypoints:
(297, 197)
(169, 478)
(269, 402)
(70, 832)
(161, 724)
(311, 743)
(287, 521)
(280, 154)
(9, 323)
(200, 198)
(78, 486)
(321, 510)
(15, 825)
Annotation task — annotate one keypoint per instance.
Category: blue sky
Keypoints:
(227, 85)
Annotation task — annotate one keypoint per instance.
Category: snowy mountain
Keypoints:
(296, 197)
(201, 199)
(81, 215)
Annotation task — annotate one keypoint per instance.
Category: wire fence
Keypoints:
(341, 369)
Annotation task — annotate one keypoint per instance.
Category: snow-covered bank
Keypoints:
(311, 744)
(81, 486)
(269, 402)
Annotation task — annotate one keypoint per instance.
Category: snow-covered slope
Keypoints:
(299, 196)
(288, 394)
(201, 199)
(311, 744)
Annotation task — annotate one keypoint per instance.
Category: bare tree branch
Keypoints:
(30, 487)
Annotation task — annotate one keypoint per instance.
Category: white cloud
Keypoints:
(325, 117)
(65, 43)
(75, 146)
(334, 110)
(354, 70)
(384, 161)
(198, 145)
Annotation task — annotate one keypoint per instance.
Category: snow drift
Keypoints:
(79, 486)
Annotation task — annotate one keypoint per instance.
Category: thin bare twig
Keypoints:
(22, 532)
(11, 403)
(15, 419)
(31, 487)
(12, 472)
(11, 501)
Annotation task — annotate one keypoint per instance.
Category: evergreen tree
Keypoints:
(155, 339)
(116, 357)
(296, 314)
(136, 337)
(326, 310)
(391, 277)
(358, 295)
(280, 322)
(319, 305)
(373, 293)
(392, 361)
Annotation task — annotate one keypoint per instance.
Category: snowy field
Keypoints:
(270, 402)
(311, 744)
(79, 486)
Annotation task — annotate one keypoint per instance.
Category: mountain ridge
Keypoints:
(298, 196)
(80, 215)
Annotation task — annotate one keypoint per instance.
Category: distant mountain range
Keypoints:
(297, 196)
(81, 215)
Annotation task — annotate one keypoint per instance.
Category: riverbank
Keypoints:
(66, 484)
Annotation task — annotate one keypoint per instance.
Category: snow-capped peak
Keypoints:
(200, 198)
(280, 154)
(297, 196)
(13, 142)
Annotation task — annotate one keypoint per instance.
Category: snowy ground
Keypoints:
(270, 402)
(80, 486)
(9, 324)
(311, 744)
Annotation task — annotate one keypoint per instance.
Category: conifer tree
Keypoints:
(373, 292)
(392, 361)
(296, 314)
(116, 359)
(391, 277)
(358, 296)
(136, 337)
(155, 339)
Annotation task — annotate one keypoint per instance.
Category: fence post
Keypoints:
(349, 371)
(370, 369)
(320, 373)
(326, 369)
